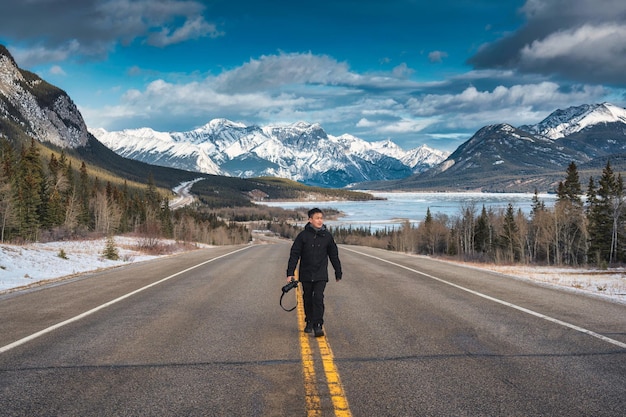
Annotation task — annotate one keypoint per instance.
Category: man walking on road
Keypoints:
(313, 247)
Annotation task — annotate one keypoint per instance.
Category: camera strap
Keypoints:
(281, 302)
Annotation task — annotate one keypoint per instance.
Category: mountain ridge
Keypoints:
(299, 151)
(45, 111)
(530, 156)
(564, 122)
(519, 157)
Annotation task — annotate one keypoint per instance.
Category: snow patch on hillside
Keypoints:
(562, 123)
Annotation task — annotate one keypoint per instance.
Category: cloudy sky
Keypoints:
(417, 72)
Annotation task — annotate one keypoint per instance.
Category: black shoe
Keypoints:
(317, 329)
(308, 328)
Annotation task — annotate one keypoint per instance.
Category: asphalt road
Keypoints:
(202, 334)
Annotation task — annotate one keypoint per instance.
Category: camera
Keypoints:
(292, 284)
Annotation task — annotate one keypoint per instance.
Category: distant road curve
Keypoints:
(183, 196)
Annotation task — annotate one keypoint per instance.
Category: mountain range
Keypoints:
(517, 158)
(499, 157)
(301, 151)
(504, 158)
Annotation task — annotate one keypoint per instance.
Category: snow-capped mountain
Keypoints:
(562, 123)
(300, 151)
(502, 148)
(505, 158)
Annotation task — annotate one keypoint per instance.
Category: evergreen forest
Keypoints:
(585, 227)
(45, 199)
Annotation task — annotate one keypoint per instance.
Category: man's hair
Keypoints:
(314, 211)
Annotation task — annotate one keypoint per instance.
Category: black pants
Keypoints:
(313, 297)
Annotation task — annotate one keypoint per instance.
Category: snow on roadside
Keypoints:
(26, 265)
(609, 283)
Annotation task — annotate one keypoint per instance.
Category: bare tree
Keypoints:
(107, 214)
(467, 228)
(150, 229)
(6, 208)
(543, 225)
(72, 211)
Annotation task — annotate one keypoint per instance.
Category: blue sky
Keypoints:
(415, 72)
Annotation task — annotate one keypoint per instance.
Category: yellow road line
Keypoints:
(337, 395)
(312, 396)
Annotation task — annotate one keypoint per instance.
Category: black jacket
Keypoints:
(314, 248)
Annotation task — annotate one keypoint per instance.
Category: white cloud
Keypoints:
(192, 29)
(437, 56)
(472, 100)
(289, 86)
(366, 123)
(57, 70)
(404, 126)
(587, 43)
(270, 71)
(402, 71)
(472, 108)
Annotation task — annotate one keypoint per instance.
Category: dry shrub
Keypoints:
(156, 247)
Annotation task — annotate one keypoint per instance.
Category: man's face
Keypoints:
(317, 220)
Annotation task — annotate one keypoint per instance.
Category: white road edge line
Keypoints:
(100, 307)
(506, 303)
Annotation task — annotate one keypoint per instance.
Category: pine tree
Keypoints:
(123, 200)
(165, 218)
(153, 199)
(605, 212)
(53, 167)
(28, 186)
(7, 211)
(537, 204)
(482, 234)
(56, 208)
(110, 250)
(571, 190)
(62, 160)
(537, 212)
(592, 197)
(69, 173)
(427, 245)
(571, 230)
(509, 234)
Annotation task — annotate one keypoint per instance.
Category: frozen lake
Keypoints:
(400, 207)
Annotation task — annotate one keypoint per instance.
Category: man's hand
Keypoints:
(291, 278)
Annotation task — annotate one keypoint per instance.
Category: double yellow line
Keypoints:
(312, 395)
